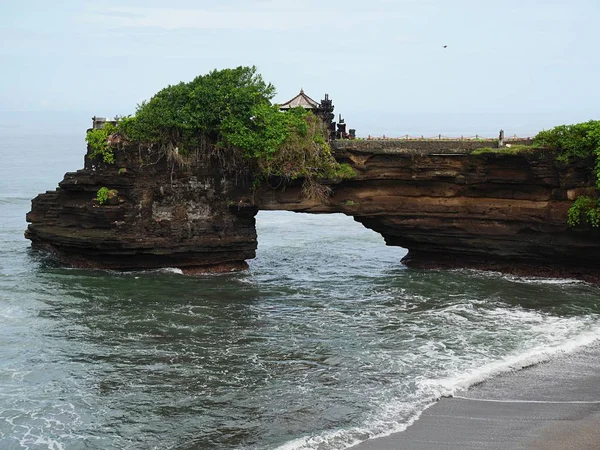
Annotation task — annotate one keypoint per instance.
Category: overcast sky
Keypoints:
(521, 65)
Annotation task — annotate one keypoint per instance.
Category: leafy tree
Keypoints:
(182, 115)
(571, 142)
(228, 113)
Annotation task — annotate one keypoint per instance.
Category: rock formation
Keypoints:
(452, 208)
(447, 206)
(165, 215)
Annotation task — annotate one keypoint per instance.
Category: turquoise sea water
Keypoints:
(326, 341)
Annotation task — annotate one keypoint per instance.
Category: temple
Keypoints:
(324, 110)
(301, 100)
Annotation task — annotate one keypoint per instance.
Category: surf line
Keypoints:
(557, 402)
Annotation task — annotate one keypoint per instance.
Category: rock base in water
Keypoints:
(447, 206)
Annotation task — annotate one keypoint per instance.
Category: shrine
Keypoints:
(324, 110)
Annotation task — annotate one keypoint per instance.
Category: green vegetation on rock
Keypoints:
(579, 141)
(514, 149)
(102, 195)
(287, 145)
(105, 195)
(587, 208)
(185, 115)
(572, 141)
(227, 114)
(98, 141)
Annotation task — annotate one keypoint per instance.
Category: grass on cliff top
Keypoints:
(512, 150)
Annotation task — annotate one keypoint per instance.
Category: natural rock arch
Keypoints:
(444, 204)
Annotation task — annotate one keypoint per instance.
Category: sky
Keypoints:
(520, 65)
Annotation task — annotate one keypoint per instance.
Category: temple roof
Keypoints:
(302, 100)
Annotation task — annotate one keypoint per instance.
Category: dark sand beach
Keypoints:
(551, 406)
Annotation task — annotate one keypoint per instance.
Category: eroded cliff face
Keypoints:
(447, 206)
(451, 208)
(165, 215)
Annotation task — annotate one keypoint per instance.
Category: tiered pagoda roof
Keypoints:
(301, 100)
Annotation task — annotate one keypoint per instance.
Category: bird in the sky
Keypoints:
(445, 46)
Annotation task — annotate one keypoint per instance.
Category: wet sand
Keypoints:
(550, 406)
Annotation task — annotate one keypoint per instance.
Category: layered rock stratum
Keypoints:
(448, 206)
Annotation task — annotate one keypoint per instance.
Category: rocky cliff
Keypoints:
(450, 207)
(165, 215)
(446, 205)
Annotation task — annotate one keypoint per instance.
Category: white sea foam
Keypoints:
(389, 420)
(537, 355)
(542, 280)
(136, 273)
(13, 312)
(346, 438)
(521, 279)
(52, 429)
(174, 270)
(531, 337)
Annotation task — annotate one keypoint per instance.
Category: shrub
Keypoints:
(572, 142)
(344, 172)
(580, 141)
(102, 195)
(288, 145)
(97, 140)
(586, 207)
(105, 195)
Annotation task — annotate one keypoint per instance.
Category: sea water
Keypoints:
(326, 341)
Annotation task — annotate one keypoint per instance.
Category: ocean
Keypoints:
(326, 341)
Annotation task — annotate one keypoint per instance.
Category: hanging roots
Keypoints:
(231, 160)
(314, 191)
(173, 156)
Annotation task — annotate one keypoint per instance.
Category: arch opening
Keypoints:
(320, 247)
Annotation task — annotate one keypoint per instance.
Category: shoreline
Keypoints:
(551, 405)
